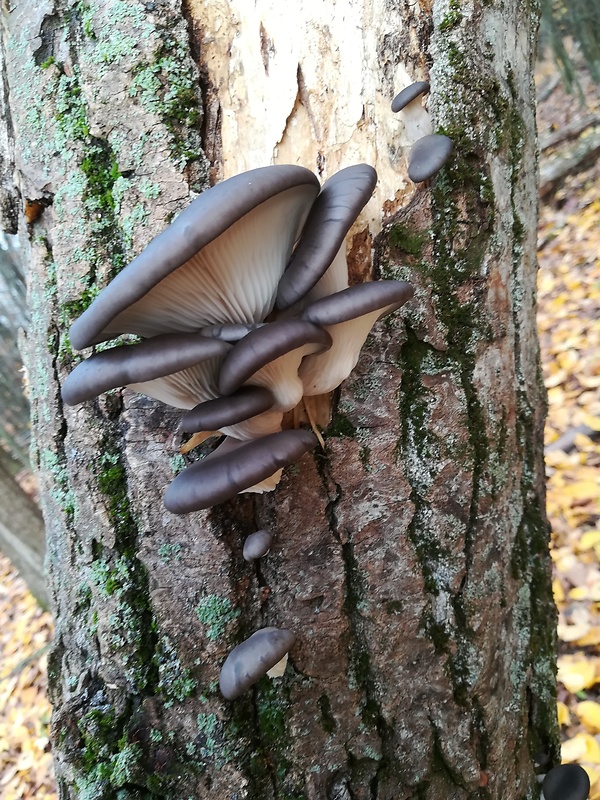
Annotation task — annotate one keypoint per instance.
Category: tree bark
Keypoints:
(410, 554)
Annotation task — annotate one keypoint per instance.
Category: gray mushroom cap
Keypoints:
(428, 156)
(566, 782)
(341, 200)
(250, 660)
(358, 300)
(215, 414)
(257, 545)
(408, 94)
(264, 345)
(202, 222)
(137, 363)
(219, 478)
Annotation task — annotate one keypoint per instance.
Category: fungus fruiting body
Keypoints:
(566, 782)
(252, 659)
(238, 303)
(257, 545)
(215, 480)
(417, 121)
(428, 156)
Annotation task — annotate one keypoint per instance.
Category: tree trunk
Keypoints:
(410, 555)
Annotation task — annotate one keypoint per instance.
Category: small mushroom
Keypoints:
(428, 156)
(417, 121)
(270, 356)
(134, 364)
(250, 660)
(219, 478)
(257, 545)
(566, 782)
(348, 317)
(333, 213)
(220, 261)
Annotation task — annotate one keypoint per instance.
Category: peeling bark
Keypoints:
(410, 556)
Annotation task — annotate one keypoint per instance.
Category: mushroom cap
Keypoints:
(566, 782)
(358, 300)
(257, 545)
(264, 345)
(137, 363)
(341, 200)
(232, 332)
(252, 659)
(199, 225)
(408, 94)
(213, 415)
(428, 155)
(348, 317)
(219, 478)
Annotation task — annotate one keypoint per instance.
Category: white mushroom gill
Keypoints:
(233, 279)
(184, 389)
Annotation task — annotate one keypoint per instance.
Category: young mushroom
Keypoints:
(428, 156)
(257, 545)
(417, 122)
(250, 660)
(566, 782)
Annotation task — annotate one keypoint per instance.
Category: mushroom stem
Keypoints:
(313, 424)
(196, 439)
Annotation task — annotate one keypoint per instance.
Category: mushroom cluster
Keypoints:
(429, 151)
(244, 308)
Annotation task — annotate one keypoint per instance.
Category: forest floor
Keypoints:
(569, 325)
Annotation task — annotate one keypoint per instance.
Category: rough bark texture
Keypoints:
(411, 555)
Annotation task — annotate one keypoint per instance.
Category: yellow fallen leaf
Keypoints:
(582, 490)
(589, 714)
(564, 718)
(588, 540)
(558, 591)
(592, 637)
(581, 748)
(592, 422)
(576, 673)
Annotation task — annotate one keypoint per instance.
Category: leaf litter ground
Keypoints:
(569, 325)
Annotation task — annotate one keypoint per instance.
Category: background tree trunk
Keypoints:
(411, 555)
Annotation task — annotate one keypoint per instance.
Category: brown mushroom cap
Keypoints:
(428, 155)
(219, 478)
(137, 363)
(252, 659)
(149, 296)
(257, 545)
(341, 200)
(408, 94)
